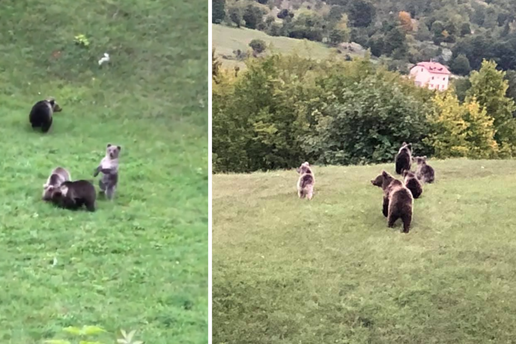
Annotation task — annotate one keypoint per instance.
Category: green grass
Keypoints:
(330, 271)
(140, 262)
(228, 39)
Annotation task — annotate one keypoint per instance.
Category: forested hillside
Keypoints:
(458, 33)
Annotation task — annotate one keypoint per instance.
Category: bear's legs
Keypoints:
(310, 193)
(110, 192)
(407, 219)
(46, 126)
(102, 187)
(385, 209)
(90, 206)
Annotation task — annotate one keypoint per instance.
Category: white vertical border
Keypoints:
(210, 179)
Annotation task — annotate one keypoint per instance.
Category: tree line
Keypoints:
(457, 33)
(283, 110)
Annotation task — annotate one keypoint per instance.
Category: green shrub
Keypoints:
(285, 109)
(258, 45)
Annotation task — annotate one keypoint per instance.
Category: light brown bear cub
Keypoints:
(109, 169)
(397, 200)
(306, 181)
(58, 176)
(424, 171)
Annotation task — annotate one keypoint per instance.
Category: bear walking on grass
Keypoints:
(41, 114)
(397, 200)
(404, 158)
(412, 183)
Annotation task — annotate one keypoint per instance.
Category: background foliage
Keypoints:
(283, 110)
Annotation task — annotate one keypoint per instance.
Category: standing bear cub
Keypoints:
(41, 114)
(109, 168)
(397, 200)
(404, 158)
(306, 181)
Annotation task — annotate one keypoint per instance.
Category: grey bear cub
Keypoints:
(109, 168)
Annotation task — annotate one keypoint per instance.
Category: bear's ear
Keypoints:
(424, 158)
(409, 146)
(52, 102)
(404, 143)
(108, 145)
(119, 148)
(384, 173)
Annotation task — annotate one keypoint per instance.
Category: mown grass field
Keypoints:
(228, 39)
(330, 271)
(138, 263)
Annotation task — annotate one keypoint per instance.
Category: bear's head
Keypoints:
(55, 107)
(113, 151)
(406, 146)
(304, 168)
(382, 180)
(419, 159)
(407, 174)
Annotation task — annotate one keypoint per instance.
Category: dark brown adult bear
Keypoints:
(397, 200)
(404, 158)
(41, 114)
(423, 171)
(412, 183)
(73, 195)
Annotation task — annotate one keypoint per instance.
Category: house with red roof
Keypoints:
(433, 75)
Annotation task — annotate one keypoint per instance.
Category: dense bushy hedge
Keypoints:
(284, 110)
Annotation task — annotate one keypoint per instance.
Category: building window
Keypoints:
(421, 69)
(444, 78)
(432, 78)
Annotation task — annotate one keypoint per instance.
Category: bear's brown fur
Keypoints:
(306, 181)
(412, 183)
(58, 176)
(41, 114)
(397, 200)
(403, 158)
(424, 171)
(74, 194)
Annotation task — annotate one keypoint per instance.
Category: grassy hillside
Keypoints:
(228, 39)
(330, 271)
(140, 262)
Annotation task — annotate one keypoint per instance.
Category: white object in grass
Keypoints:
(105, 58)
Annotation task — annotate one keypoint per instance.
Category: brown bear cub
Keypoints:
(404, 158)
(397, 200)
(412, 183)
(306, 181)
(41, 114)
(74, 194)
(58, 176)
(109, 168)
(423, 171)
